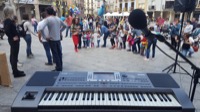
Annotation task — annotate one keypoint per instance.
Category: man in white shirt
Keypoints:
(189, 27)
(42, 35)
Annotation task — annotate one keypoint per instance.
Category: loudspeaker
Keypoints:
(184, 5)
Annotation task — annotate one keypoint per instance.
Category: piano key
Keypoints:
(62, 96)
(128, 97)
(66, 96)
(149, 97)
(142, 97)
(93, 99)
(121, 102)
(117, 95)
(109, 96)
(47, 101)
(163, 96)
(58, 96)
(132, 102)
(88, 96)
(158, 101)
(101, 101)
(134, 96)
(52, 94)
(47, 95)
(103, 96)
(124, 97)
(161, 99)
(97, 102)
(73, 96)
(77, 97)
(53, 99)
(68, 101)
(168, 98)
(44, 98)
(113, 96)
(99, 96)
(106, 101)
(138, 96)
(147, 100)
(80, 101)
(153, 97)
(174, 101)
(84, 96)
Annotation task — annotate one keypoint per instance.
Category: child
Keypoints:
(88, 38)
(98, 38)
(92, 40)
(84, 39)
(143, 45)
(121, 35)
(130, 41)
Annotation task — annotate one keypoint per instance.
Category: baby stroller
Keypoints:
(2, 33)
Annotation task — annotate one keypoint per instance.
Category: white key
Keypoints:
(80, 101)
(88, 100)
(48, 102)
(57, 102)
(97, 102)
(85, 101)
(147, 101)
(158, 103)
(77, 100)
(101, 101)
(122, 102)
(73, 101)
(174, 101)
(116, 102)
(53, 100)
(63, 100)
(68, 101)
(92, 101)
(42, 101)
(106, 102)
(132, 102)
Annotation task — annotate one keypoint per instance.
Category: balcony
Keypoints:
(152, 7)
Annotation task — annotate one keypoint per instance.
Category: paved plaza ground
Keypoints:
(93, 59)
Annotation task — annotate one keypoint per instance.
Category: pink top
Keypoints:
(69, 20)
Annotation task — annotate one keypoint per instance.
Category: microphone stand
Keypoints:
(178, 45)
(196, 73)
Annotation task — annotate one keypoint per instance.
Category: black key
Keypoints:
(77, 96)
(142, 97)
(58, 96)
(127, 95)
(84, 96)
(117, 96)
(109, 96)
(164, 97)
(92, 97)
(103, 96)
(168, 97)
(73, 96)
(62, 96)
(160, 97)
(124, 97)
(88, 96)
(113, 95)
(67, 94)
(149, 97)
(138, 96)
(153, 97)
(51, 96)
(47, 95)
(98, 96)
(134, 96)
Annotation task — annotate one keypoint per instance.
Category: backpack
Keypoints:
(20, 29)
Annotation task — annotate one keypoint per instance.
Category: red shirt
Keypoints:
(69, 20)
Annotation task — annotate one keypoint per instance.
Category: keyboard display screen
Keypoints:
(103, 76)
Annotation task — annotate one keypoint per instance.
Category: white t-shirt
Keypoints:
(45, 31)
(188, 29)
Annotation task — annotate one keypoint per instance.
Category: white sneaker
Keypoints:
(145, 59)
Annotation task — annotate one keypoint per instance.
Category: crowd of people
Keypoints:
(84, 31)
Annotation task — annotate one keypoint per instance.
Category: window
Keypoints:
(126, 6)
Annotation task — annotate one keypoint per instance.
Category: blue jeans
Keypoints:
(35, 28)
(67, 30)
(98, 42)
(57, 54)
(105, 39)
(88, 42)
(187, 51)
(85, 43)
(48, 52)
(151, 42)
(28, 40)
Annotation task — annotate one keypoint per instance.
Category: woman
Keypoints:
(75, 32)
(28, 38)
(13, 40)
(113, 30)
(186, 47)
